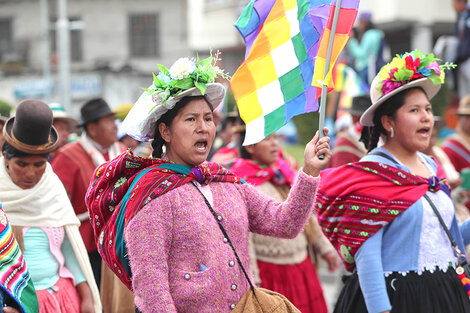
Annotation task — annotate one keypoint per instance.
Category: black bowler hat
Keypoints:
(31, 130)
(93, 110)
(359, 105)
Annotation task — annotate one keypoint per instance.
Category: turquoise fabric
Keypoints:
(120, 222)
(42, 265)
(369, 46)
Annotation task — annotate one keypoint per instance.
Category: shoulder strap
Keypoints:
(383, 155)
(436, 211)
(461, 258)
(226, 236)
(441, 221)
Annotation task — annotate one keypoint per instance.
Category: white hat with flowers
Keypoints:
(412, 69)
(186, 77)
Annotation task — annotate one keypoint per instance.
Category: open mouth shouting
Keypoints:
(201, 146)
(425, 131)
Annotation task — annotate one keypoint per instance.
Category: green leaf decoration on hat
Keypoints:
(184, 74)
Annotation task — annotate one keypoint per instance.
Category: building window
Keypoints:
(6, 40)
(143, 35)
(76, 39)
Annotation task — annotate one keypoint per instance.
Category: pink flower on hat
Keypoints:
(390, 85)
(435, 66)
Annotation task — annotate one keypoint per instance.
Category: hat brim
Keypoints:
(351, 111)
(73, 123)
(463, 112)
(141, 120)
(367, 118)
(83, 124)
(26, 148)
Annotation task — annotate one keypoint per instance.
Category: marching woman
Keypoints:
(167, 213)
(284, 265)
(389, 216)
(41, 215)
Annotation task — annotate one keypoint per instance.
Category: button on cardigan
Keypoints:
(174, 234)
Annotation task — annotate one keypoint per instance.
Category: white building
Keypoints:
(407, 24)
(412, 24)
(115, 46)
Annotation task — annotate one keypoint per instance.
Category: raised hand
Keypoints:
(315, 148)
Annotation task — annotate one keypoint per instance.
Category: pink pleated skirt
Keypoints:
(62, 298)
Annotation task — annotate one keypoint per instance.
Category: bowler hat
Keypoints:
(31, 130)
(464, 106)
(93, 110)
(359, 105)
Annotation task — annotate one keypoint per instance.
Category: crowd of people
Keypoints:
(167, 211)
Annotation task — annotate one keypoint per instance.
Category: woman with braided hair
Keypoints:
(389, 216)
(167, 225)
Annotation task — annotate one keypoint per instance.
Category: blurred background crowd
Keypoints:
(68, 52)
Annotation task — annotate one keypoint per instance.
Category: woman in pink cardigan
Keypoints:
(174, 256)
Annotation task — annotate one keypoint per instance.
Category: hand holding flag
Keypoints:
(283, 40)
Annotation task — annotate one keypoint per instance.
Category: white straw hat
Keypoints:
(141, 120)
(186, 78)
(406, 71)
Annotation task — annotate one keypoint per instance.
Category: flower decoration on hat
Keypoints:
(411, 66)
(184, 74)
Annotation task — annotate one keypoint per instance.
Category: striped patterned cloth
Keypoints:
(356, 200)
(283, 41)
(125, 185)
(15, 280)
(347, 16)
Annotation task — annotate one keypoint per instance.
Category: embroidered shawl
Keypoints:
(123, 186)
(280, 174)
(356, 200)
(14, 276)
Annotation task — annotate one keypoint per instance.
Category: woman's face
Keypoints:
(266, 151)
(26, 171)
(190, 136)
(464, 122)
(413, 122)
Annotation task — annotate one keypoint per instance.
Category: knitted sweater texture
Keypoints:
(179, 259)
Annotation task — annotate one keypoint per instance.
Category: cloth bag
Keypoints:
(255, 300)
(260, 300)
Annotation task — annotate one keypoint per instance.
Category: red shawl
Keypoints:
(356, 200)
(126, 184)
(280, 174)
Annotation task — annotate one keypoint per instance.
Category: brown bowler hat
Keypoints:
(464, 106)
(93, 110)
(31, 130)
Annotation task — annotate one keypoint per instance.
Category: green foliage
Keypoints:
(307, 125)
(5, 108)
(295, 151)
(231, 103)
(440, 101)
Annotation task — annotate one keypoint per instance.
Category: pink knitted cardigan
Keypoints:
(174, 238)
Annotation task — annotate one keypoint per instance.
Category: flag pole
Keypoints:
(324, 87)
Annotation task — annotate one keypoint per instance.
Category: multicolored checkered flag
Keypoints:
(274, 83)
